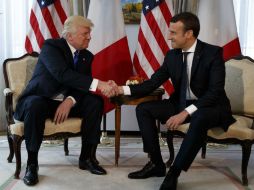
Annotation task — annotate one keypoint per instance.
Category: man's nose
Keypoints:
(169, 36)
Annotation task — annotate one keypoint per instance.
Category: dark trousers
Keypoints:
(200, 122)
(37, 109)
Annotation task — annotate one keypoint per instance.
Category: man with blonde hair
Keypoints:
(61, 87)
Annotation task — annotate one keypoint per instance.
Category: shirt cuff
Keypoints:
(126, 90)
(191, 109)
(94, 85)
(73, 100)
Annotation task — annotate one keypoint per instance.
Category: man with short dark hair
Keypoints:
(197, 72)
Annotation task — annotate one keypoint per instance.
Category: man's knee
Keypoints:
(98, 102)
(196, 117)
(202, 118)
(35, 104)
(202, 114)
(94, 102)
(141, 109)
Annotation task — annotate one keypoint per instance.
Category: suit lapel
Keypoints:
(67, 53)
(179, 65)
(196, 58)
(84, 65)
(84, 61)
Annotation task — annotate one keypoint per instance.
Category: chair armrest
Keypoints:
(8, 93)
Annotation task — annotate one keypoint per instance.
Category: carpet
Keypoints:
(221, 170)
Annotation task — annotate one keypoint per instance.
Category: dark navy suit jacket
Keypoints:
(207, 79)
(54, 73)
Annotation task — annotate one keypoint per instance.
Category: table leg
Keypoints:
(117, 133)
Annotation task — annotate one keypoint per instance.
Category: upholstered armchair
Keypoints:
(17, 73)
(240, 90)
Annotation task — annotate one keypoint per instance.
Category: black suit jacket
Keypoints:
(54, 73)
(207, 79)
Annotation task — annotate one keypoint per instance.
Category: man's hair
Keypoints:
(189, 20)
(73, 22)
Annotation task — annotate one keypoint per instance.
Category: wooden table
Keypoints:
(129, 100)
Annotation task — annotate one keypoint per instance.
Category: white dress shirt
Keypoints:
(191, 108)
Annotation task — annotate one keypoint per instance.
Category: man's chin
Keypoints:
(85, 46)
(173, 46)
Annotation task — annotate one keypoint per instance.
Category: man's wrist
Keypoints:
(73, 100)
(120, 90)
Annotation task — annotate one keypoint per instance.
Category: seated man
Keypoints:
(197, 72)
(61, 87)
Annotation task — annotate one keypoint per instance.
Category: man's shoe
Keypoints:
(170, 181)
(149, 170)
(92, 167)
(31, 176)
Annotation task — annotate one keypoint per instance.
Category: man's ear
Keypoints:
(69, 37)
(189, 33)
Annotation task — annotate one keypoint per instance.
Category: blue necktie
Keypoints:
(184, 82)
(75, 58)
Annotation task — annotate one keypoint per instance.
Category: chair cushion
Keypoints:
(240, 130)
(71, 125)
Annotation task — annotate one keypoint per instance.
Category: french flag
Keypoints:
(109, 44)
(218, 26)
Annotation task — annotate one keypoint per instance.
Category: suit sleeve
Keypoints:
(156, 80)
(76, 94)
(216, 81)
(59, 66)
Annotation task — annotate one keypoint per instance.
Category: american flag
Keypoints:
(152, 39)
(46, 21)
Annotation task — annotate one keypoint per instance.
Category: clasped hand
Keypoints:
(109, 88)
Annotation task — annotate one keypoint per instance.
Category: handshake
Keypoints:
(109, 88)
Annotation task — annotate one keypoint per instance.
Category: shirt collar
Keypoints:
(72, 48)
(192, 48)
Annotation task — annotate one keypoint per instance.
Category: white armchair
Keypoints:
(239, 87)
(17, 73)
